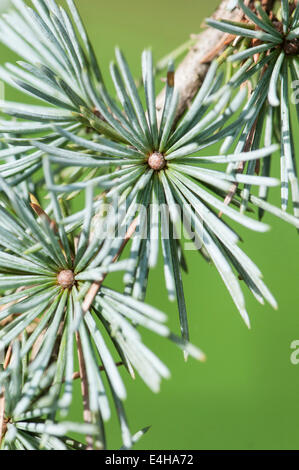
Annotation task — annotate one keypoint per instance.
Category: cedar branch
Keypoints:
(192, 71)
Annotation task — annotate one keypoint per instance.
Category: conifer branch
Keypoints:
(192, 71)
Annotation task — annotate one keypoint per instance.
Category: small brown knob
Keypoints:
(156, 161)
(66, 278)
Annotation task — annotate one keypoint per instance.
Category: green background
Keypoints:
(246, 396)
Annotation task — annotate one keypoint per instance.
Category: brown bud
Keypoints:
(156, 161)
(66, 279)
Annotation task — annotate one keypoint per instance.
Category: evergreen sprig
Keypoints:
(144, 180)
(54, 269)
(164, 178)
(270, 46)
(33, 427)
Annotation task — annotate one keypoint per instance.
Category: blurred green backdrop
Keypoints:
(246, 396)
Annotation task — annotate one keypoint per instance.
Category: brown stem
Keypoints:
(7, 357)
(84, 390)
(3, 420)
(76, 375)
(95, 287)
